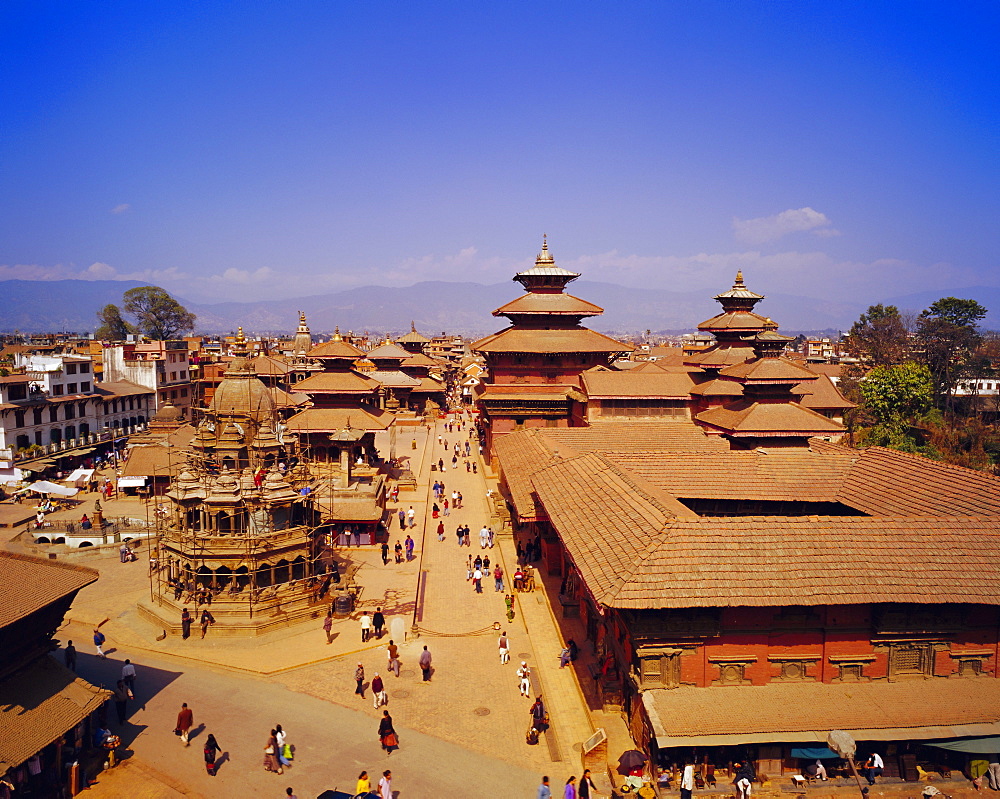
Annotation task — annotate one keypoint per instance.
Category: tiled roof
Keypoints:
(430, 385)
(521, 454)
(335, 348)
(121, 388)
(286, 399)
(652, 384)
(389, 352)
(573, 339)
(666, 356)
(329, 420)
(768, 369)
(419, 359)
(718, 388)
(549, 303)
(885, 482)
(28, 584)
(824, 395)
(901, 709)
(413, 337)
(41, 702)
(761, 561)
(736, 320)
(337, 383)
(395, 378)
(720, 357)
(269, 365)
(154, 460)
(678, 435)
(760, 419)
(742, 475)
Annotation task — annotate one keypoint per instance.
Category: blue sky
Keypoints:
(261, 150)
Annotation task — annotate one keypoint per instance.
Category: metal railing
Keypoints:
(41, 450)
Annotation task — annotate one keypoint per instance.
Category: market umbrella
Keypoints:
(630, 761)
(45, 487)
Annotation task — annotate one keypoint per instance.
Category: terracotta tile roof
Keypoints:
(155, 460)
(413, 337)
(286, 399)
(768, 369)
(530, 391)
(335, 348)
(548, 303)
(718, 388)
(337, 383)
(666, 356)
(742, 475)
(388, 352)
(329, 420)
(824, 395)
(41, 702)
(658, 384)
(419, 359)
(721, 357)
(394, 377)
(606, 518)
(760, 419)
(860, 708)
(764, 561)
(621, 435)
(270, 365)
(521, 454)
(885, 482)
(430, 385)
(121, 388)
(735, 320)
(28, 584)
(573, 339)
(828, 369)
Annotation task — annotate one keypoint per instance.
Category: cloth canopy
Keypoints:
(45, 487)
(131, 482)
(990, 745)
(814, 753)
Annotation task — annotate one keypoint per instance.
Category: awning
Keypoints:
(41, 703)
(131, 482)
(45, 487)
(79, 474)
(814, 753)
(805, 712)
(985, 746)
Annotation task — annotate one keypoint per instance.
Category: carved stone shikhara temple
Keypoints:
(252, 513)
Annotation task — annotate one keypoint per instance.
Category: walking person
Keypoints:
(359, 677)
(460, 534)
(544, 792)
(366, 627)
(128, 675)
(211, 748)
(587, 789)
(498, 579)
(569, 792)
(185, 718)
(121, 694)
(410, 544)
(363, 786)
(378, 622)
(477, 580)
(425, 664)
(411, 517)
(440, 530)
(328, 627)
(447, 510)
(99, 640)
(284, 749)
(687, 780)
(385, 785)
(186, 624)
(386, 733)
(524, 675)
(70, 656)
(206, 619)
(402, 519)
(503, 644)
(385, 549)
(378, 692)
(271, 754)
(393, 653)
(399, 552)
(465, 535)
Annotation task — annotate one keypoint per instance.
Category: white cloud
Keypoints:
(244, 276)
(99, 271)
(121, 208)
(771, 228)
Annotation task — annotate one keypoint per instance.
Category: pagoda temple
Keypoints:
(534, 366)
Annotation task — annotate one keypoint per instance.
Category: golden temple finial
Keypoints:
(302, 317)
(336, 334)
(413, 326)
(739, 279)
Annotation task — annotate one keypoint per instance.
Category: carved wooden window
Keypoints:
(851, 672)
(906, 660)
(732, 673)
(659, 668)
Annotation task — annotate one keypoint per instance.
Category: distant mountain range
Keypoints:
(72, 305)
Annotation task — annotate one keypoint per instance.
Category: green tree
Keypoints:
(893, 396)
(158, 315)
(948, 335)
(113, 326)
(879, 337)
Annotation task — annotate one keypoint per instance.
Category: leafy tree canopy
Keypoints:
(893, 396)
(158, 315)
(113, 326)
(879, 337)
(949, 335)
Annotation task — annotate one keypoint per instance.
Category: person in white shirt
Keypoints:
(687, 781)
(873, 767)
(366, 626)
(524, 675)
(128, 675)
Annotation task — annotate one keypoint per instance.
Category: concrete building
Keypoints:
(161, 366)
